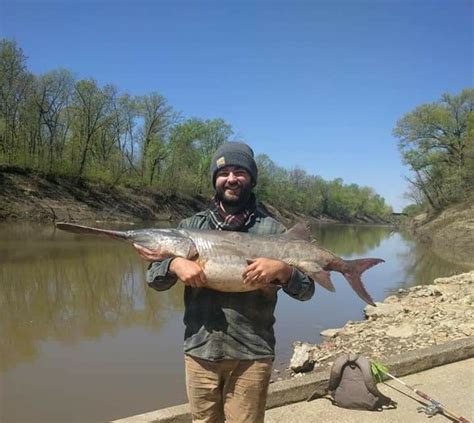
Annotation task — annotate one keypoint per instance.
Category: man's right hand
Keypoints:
(188, 271)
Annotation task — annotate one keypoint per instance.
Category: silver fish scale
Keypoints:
(222, 246)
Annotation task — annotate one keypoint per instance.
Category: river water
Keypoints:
(82, 339)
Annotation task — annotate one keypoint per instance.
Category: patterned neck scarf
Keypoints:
(223, 221)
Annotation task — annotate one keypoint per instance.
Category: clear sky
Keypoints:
(314, 84)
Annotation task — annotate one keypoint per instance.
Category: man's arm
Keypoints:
(299, 286)
(158, 275)
(163, 272)
(264, 271)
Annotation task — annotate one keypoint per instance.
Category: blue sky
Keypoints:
(314, 84)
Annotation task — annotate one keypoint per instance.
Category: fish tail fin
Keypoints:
(79, 229)
(353, 276)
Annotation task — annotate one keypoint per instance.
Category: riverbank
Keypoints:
(416, 318)
(449, 234)
(30, 196)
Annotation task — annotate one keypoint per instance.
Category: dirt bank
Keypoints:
(416, 318)
(31, 196)
(34, 197)
(450, 234)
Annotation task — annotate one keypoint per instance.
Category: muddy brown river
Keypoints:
(82, 339)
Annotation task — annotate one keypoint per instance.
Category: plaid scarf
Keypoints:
(223, 221)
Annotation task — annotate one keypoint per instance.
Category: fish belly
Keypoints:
(225, 274)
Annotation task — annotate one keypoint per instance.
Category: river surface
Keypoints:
(82, 339)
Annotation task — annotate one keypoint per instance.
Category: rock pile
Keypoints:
(415, 318)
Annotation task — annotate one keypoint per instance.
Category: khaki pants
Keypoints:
(230, 390)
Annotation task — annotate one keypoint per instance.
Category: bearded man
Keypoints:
(229, 341)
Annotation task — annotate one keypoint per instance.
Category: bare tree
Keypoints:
(91, 107)
(158, 117)
(54, 95)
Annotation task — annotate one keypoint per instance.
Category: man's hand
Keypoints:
(149, 255)
(189, 272)
(263, 271)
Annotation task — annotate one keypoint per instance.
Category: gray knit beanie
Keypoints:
(234, 154)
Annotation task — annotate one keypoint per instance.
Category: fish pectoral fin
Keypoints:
(317, 274)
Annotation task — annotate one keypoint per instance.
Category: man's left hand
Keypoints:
(263, 271)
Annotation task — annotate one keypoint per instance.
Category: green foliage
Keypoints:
(378, 371)
(436, 142)
(15, 82)
(300, 192)
(56, 124)
(413, 209)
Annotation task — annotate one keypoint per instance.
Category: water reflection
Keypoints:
(416, 263)
(348, 240)
(61, 288)
(421, 265)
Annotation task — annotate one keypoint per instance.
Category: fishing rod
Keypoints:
(434, 406)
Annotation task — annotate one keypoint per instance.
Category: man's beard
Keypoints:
(240, 201)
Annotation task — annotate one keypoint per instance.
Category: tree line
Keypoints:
(58, 124)
(436, 141)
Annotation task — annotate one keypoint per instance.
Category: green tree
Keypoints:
(54, 92)
(470, 152)
(53, 122)
(210, 135)
(191, 147)
(158, 118)
(183, 162)
(433, 141)
(15, 80)
(91, 107)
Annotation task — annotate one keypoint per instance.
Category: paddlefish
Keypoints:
(223, 255)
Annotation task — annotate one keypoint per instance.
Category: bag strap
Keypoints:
(334, 377)
(337, 368)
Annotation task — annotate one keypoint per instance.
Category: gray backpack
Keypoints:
(352, 385)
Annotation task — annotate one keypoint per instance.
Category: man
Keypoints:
(229, 339)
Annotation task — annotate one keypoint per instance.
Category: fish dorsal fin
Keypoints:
(299, 231)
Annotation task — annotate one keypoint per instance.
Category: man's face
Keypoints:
(233, 186)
